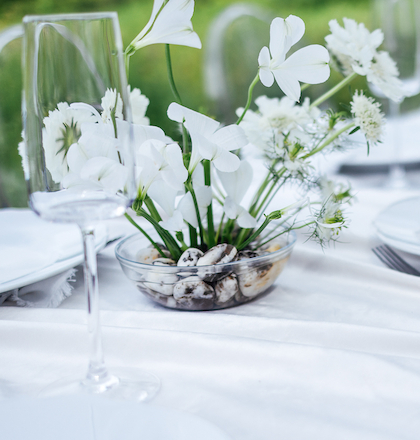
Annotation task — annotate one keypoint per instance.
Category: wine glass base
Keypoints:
(397, 178)
(124, 384)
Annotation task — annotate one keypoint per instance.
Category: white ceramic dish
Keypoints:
(398, 225)
(86, 418)
(32, 250)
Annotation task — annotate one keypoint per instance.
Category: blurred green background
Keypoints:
(243, 40)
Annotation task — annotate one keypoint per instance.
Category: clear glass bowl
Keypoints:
(204, 287)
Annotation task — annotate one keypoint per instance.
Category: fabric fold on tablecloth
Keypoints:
(48, 293)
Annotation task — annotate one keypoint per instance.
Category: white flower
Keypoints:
(157, 160)
(309, 64)
(93, 161)
(236, 185)
(170, 24)
(352, 44)
(382, 72)
(328, 221)
(265, 128)
(24, 156)
(61, 130)
(139, 104)
(367, 116)
(110, 102)
(355, 49)
(210, 140)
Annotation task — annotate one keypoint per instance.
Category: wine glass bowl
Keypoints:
(79, 161)
(400, 23)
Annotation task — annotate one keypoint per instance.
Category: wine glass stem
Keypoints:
(97, 372)
(397, 170)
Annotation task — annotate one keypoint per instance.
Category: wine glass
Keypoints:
(400, 22)
(80, 163)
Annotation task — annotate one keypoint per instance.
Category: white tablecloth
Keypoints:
(332, 352)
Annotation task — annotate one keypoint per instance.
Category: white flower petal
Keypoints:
(288, 84)
(164, 195)
(187, 209)
(231, 137)
(174, 223)
(237, 183)
(245, 219)
(226, 161)
(309, 64)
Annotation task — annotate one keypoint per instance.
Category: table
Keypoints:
(332, 352)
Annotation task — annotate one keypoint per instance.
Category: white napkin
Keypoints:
(46, 293)
(29, 244)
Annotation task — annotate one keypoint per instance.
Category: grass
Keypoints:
(148, 69)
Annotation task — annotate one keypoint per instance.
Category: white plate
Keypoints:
(32, 250)
(399, 225)
(84, 418)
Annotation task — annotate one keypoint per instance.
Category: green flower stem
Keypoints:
(193, 236)
(127, 56)
(152, 209)
(176, 94)
(259, 192)
(167, 238)
(145, 234)
(248, 103)
(242, 235)
(265, 205)
(197, 212)
(170, 75)
(219, 229)
(273, 185)
(283, 232)
(334, 90)
(210, 222)
(254, 235)
(329, 140)
(227, 231)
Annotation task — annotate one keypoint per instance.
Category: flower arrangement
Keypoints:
(192, 190)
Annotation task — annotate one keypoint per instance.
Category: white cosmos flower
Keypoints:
(368, 116)
(309, 64)
(170, 24)
(62, 129)
(209, 139)
(236, 185)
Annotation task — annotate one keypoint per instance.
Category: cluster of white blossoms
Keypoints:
(82, 146)
(368, 116)
(355, 49)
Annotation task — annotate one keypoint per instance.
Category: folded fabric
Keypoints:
(46, 293)
(29, 244)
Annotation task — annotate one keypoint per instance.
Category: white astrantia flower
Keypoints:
(169, 23)
(139, 104)
(308, 65)
(109, 102)
(62, 128)
(236, 185)
(209, 139)
(355, 49)
(368, 116)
